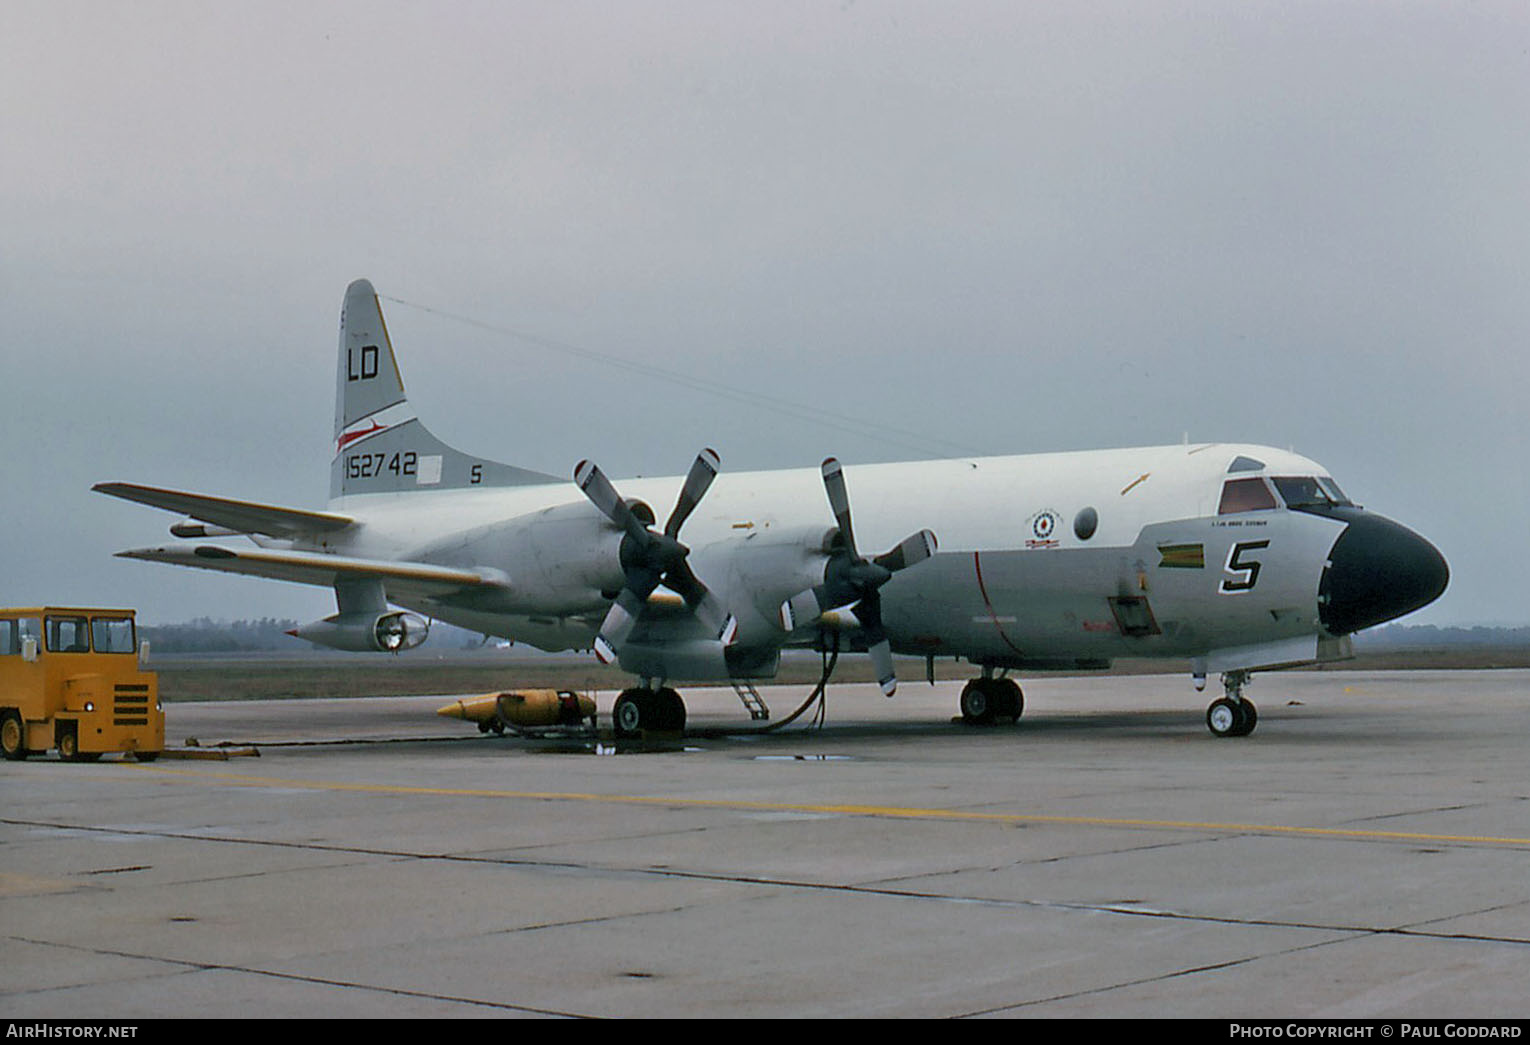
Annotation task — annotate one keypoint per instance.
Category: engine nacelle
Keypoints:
(391, 632)
(560, 559)
(754, 575)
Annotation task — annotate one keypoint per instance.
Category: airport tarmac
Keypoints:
(1365, 854)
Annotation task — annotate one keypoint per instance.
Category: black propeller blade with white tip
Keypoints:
(849, 578)
(649, 559)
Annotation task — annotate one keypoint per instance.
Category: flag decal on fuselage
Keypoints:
(1182, 557)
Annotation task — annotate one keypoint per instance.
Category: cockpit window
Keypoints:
(1245, 495)
(1331, 488)
(1309, 492)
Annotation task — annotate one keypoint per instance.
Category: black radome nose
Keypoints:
(1379, 570)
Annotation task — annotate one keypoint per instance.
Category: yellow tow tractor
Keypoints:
(71, 679)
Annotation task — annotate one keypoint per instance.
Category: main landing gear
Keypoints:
(644, 709)
(985, 699)
(1233, 715)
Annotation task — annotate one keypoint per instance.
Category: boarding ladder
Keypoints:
(751, 699)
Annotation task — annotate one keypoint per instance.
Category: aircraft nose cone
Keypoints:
(1379, 570)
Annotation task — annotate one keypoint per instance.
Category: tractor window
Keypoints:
(68, 635)
(1245, 495)
(112, 634)
(13, 631)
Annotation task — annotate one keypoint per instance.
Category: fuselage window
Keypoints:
(1085, 523)
(1245, 495)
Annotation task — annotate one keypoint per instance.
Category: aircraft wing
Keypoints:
(239, 516)
(404, 580)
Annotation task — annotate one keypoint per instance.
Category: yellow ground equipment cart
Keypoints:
(70, 678)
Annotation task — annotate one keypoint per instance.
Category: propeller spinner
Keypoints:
(849, 578)
(649, 559)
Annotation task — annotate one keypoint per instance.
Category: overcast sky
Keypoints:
(1002, 227)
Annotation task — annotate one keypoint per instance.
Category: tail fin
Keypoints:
(380, 446)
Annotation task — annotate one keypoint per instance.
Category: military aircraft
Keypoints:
(1231, 558)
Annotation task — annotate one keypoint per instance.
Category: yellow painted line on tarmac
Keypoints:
(12, 885)
(885, 812)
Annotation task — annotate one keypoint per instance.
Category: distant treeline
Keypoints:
(205, 635)
(1418, 636)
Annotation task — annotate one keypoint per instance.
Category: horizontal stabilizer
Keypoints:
(239, 516)
(404, 581)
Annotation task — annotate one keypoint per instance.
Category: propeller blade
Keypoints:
(839, 501)
(869, 612)
(722, 624)
(619, 622)
(847, 576)
(684, 582)
(881, 660)
(802, 608)
(702, 472)
(913, 550)
(707, 607)
(592, 482)
(603, 651)
(650, 558)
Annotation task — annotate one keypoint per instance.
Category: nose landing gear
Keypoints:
(1232, 715)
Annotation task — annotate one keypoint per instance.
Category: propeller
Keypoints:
(649, 559)
(850, 578)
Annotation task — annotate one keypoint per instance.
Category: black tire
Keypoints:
(1011, 701)
(13, 736)
(69, 746)
(632, 713)
(669, 711)
(68, 740)
(146, 756)
(1225, 718)
(977, 703)
(1250, 718)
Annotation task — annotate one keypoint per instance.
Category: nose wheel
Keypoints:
(1232, 715)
